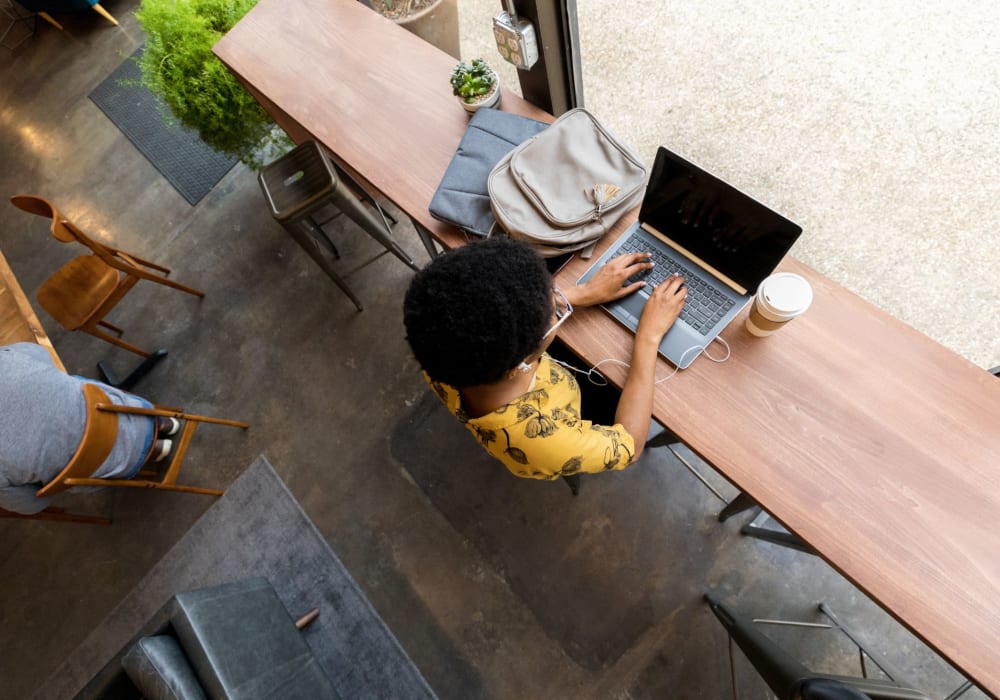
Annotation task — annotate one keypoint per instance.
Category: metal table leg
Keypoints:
(426, 239)
(108, 376)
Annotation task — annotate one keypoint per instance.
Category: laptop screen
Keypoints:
(714, 221)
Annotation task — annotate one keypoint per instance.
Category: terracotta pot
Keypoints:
(437, 24)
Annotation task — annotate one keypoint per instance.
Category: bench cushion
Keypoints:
(244, 645)
(159, 669)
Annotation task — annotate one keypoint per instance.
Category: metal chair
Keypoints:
(302, 182)
(789, 679)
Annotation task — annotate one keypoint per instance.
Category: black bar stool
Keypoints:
(302, 182)
(789, 679)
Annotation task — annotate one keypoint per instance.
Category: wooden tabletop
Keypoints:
(18, 322)
(374, 94)
(873, 443)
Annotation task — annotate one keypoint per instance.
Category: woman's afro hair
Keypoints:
(475, 312)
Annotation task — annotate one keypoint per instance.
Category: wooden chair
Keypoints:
(44, 7)
(83, 291)
(99, 437)
(57, 514)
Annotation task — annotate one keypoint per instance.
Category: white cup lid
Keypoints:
(785, 294)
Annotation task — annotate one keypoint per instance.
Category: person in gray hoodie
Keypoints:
(42, 418)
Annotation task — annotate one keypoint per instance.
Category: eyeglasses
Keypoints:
(563, 309)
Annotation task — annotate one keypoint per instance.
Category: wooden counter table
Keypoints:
(18, 322)
(877, 446)
(374, 94)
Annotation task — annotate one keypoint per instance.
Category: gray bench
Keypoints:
(230, 641)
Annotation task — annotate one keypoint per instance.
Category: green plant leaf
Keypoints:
(201, 93)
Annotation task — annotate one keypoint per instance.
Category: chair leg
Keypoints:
(111, 327)
(48, 18)
(776, 667)
(168, 412)
(311, 246)
(865, 649)
(149, 264)
(320, 235)
(173, 285)
(53, 513)
(138, 484)
(379, 230)
(104, 13)
(95, 331)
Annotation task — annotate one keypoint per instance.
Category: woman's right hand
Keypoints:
(662, 309)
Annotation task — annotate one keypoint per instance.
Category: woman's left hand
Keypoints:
(606, 285)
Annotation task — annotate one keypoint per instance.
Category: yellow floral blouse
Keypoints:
(541, 435)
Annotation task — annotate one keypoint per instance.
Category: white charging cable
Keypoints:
(593, 374)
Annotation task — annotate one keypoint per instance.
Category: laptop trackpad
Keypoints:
(633, 304)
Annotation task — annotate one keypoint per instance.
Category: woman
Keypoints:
(479, 320)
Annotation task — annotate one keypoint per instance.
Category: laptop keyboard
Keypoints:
(704, 306)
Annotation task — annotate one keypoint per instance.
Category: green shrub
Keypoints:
(179, 66)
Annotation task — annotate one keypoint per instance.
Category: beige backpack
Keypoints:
(566, 187)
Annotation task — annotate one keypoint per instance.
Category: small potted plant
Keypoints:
(476, 85)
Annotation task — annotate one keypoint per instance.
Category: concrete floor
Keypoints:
(497, 587)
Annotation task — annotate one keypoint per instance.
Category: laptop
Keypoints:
(721, 241)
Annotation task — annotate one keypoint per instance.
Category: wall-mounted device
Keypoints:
(515, 37)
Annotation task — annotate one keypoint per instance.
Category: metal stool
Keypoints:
(303, 181)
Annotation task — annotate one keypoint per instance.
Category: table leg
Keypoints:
(739, 504)
(426, 239)
(782, 537)
(109, 377)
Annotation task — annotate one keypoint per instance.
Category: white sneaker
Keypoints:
(161, 450)
(165, 427)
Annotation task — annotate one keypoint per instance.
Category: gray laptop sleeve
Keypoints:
(462, 199)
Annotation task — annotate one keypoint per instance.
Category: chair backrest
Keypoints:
(99, 435)
(827, 689)
(776, 667)
(62, 228)
(789, 679)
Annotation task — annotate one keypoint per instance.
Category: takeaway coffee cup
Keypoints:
(780, 298)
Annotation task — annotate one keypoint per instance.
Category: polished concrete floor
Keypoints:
(497, 587)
